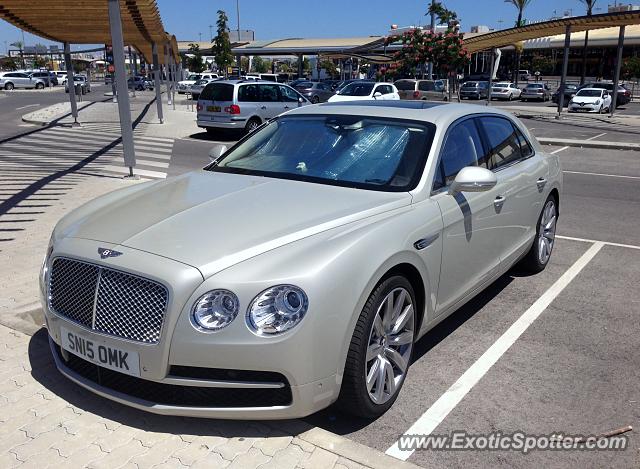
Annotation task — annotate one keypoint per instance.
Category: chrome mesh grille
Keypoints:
(108, 300)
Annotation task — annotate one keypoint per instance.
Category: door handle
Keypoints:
(286, 107)
(498, 202)
(541, 182)
(263, 107)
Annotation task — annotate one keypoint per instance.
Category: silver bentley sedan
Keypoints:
(300, 267)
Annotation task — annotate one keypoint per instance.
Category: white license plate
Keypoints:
(114, 358)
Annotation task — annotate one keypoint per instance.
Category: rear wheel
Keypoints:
(252, 125)
(538, 256)
(8, 86)
(39, 86)
(380, 350)
(315, 100)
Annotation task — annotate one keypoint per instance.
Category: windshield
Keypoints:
(501, 85)
(357, 89)
(353, 151)
(590, 93)
(304, 84)
(470, 84)
(193, 77)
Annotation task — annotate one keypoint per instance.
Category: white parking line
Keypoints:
(25, 107)
(558, 150)
(602, 174)
(607, 243)
(430, 420)
(597, 136)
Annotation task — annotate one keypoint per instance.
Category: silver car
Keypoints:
(422, 89)
(537, 91)
(301, 266)
(11, 80)
(244, 104)
(198, 86)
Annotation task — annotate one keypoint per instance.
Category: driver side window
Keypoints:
(463, 147)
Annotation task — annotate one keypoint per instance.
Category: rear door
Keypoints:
(214, 102)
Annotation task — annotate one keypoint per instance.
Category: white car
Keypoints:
(366, 90)
(505, 90)
(590, 100)
(184, 86)
(300, 267)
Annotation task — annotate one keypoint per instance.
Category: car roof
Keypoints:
(436, 113)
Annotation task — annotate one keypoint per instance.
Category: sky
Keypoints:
(276, 19)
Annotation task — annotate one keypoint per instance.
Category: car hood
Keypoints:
(212, 221)
(340, 97)
(186, 82)
(586, 99)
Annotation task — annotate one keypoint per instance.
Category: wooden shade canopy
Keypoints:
(87, 22)
(506, 37)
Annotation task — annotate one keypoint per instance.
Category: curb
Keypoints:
(351, 450)
(589, 144)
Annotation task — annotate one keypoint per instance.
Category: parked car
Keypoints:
(474, 90)
(314, 91)
(184, 86)
(199, 85)
(569, 92)
(359, 232)
(366, 90)
(62, 76)
(505, 90)
(624, 95)
(85, 86)
(140, 83)
(343, 83)
(422, 89)
(590, 100)
(524, 75)
(53, 79)
(537, 91)
(263, 76)
(42, 75)
(244, 105)
(11, 80)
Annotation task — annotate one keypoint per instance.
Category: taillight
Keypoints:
(199, 107)
(233, 109)
(416, 94)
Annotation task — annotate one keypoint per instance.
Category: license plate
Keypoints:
(114, 358)
(213, 108)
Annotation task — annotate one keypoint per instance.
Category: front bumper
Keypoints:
(584, 108)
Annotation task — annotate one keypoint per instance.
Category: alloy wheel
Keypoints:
(390, 345)
(547, 232)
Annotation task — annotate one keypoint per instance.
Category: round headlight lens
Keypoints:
(214, 310)
(277, 309)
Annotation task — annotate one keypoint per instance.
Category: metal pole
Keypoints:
(433, 30)
(70, 83)
(156, 81)
(131, 72)
(300, 66)
(173, 83)
(565, 65)
(493, 53)
(115, 23)
(616, 78)
(238, 15)
(167, 68)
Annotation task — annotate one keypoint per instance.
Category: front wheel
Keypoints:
(8, 86)
(380, 350)
(538, 256)
(39, 86)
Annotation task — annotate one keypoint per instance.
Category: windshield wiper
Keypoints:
(376, 181)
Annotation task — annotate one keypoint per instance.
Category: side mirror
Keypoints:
(473, 179)
(216, 152)
(377, 95)
(301, 101)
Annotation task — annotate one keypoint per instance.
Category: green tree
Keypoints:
(631, 68)
(39, 61)
(590, 4)
(222, 44)
(331, 68)
(306, 66)
(520, 5)
(259, 65)
(195, 61)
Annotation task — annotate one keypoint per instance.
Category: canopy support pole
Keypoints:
(167, 69)
(493, 57)
(565, 66)
(616, 78)
(115, 23)
(156, 81)
(71, 84)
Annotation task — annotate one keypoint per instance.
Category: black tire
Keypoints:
(8, 86)
(252, 125)
(315, 100)
(532, 262)
(354, 397)
(39, 86)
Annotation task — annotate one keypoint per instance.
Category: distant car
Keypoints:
(140, 83)
(537, 91)
(42, 75)
(590, 100)
(184, 86)
(314, 91)
(244, 105)
(11, 80)
(474, 90)
(62, 76)
(505, 90)
(85, 86)
(199, 85)
(624, 95)
(422, 89)
(53, 78)
(366, 90)
(524, 75)
(569, 92)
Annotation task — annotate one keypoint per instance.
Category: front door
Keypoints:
(270, 105)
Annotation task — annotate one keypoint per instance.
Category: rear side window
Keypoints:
(462, 148)
(268, 93)
(426, 86)
(217, 92)
(248, 94)
(504, 142)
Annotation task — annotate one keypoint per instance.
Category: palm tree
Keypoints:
(589, 4)
(520, 5)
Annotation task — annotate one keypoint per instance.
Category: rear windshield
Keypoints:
(534, 86)
(405, 85)
(304, 84)
(217, 92)
(426, 86)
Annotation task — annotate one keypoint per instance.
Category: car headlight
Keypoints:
(597, 102)
(214, 310)
(277, 310)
